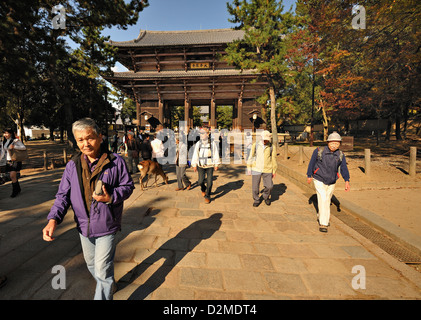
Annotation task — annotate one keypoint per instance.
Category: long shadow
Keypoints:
(313, 200)
(173, 251)
(230, 186)
(278, 190)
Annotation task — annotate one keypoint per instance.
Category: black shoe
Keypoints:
(256, 204)
(323, 229)
(15, 189)
(3, 281)
(267, 201)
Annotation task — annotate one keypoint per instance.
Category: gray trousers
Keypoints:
(255, 185)
(181, 176)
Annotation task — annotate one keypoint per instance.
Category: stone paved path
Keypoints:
(174, 246)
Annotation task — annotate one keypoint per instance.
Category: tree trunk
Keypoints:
(398, 124)
(325, 122)
(51, 133)
(388, 129)
(273, 116)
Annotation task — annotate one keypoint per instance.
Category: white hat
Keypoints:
(334, 136)
(266, 135)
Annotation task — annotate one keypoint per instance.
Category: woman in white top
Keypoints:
(9, 143)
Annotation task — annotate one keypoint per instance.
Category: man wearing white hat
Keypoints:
(262, 165)
(324, 167)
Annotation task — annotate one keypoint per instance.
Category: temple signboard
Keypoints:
(199, 65)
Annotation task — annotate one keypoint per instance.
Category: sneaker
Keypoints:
(267, 201)
(256, 204)
(323, 229)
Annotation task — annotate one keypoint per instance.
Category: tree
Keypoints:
(32, 52)
(224, 117)
(263, 47)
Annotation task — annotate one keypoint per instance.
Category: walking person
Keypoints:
(98, 211)
(323, 169)
(181, 163)
(205, 160)
(146, 148)
(262, 165)
(9, 143)
(157, 149)
(133, 148)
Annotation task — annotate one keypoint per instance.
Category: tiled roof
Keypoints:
(181, 73)
(174, 38)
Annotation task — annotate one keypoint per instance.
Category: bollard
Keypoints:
(65, 156)
(45, 161)
(286, 151)
(301, 155)
(367, 161)
(413, 161)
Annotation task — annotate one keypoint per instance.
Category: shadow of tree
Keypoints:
(173, 251)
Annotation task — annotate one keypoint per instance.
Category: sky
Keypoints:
(172, 15)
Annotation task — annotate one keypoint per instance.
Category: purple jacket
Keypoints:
(103, 218)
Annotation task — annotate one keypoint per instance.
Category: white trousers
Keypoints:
(324, 196)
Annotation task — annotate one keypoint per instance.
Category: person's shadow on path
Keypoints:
(313, 200)
(173, 252)
(220, 191)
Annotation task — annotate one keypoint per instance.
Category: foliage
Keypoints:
(40, 75)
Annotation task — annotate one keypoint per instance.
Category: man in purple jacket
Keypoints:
(98, 211)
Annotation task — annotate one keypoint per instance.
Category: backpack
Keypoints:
(320, 152)
(320, 156)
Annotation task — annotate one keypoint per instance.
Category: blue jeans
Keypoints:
(99, 256)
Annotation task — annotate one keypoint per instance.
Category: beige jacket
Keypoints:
(262, 159)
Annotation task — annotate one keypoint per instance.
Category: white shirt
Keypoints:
(157, 148)
(4, 154)
(203, 156)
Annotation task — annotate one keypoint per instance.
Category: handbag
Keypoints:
(18, 155)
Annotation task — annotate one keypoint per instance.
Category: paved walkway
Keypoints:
(174, 246)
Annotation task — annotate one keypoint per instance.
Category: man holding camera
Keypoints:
(95, 183)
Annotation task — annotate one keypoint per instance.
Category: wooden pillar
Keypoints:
(240, 114)
(212, 114)
(234, 114)
(367, 161)
(413, 161)
(137, 110)
(161, 111)
(187, 113)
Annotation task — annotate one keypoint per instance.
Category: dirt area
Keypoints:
(55, 156)
(388, 190)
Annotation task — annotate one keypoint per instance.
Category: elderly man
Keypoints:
(205, 160)
(95, 183)
(262, 164)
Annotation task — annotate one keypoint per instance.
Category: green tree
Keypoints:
(263, 47)
(32, 53)
(224, 117)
